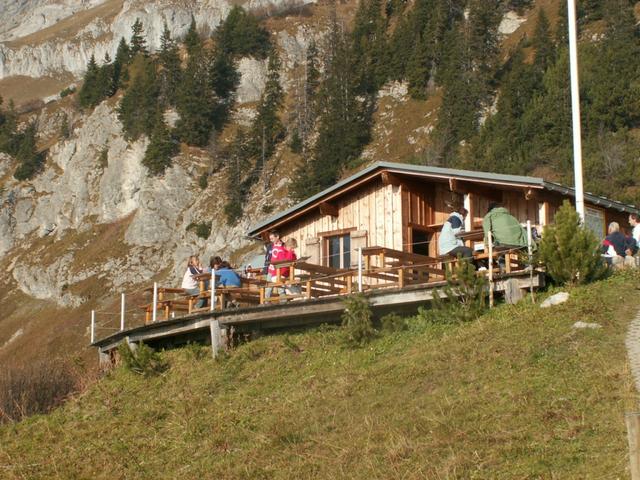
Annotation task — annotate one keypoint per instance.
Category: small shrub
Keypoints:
(142, 360)
(203, 181)
(202, 229)
(196, 351)
(569, 251)
(393, 323)
(357, 321)
(67, 91)
(463, 299)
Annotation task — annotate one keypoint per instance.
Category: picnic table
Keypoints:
(472, 235)
(166, 305)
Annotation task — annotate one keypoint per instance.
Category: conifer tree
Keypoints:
(8, 126)
(192, 40)
(195, 103)
(29, 160)
(106, 86)
(569, 251)
(170, 72)
(545, 50)
(369, 46)
(344, 119)
(90, 94)
(267, 128)
(223, 80)
(162, 147)
(138, 109)
(138, 42)
(123, 56)
(241, 34)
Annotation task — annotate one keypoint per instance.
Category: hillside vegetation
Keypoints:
(517, 394)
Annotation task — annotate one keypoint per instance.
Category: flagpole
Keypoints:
(575, 109)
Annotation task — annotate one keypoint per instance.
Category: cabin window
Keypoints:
(338, 251)
(421, 240)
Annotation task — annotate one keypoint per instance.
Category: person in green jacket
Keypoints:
(504, 227)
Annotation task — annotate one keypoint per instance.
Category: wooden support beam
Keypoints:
(453, 185)
(216, 337)
(390, 179)
(327, 208)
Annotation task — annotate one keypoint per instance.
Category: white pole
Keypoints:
(122, 312)
(575, 109)
(360, 269)
(155, 301)
(93, 326)
(212, 303)
(529, 251)
(490, 236)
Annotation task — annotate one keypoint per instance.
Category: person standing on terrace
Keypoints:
(275, 253)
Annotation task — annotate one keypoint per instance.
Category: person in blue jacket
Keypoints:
(227, 277)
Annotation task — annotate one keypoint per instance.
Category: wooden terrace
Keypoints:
(392, 281)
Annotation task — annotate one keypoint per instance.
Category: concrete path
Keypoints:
(633, 349)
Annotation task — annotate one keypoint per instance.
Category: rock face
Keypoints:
(66, 46)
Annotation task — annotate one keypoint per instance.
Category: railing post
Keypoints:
(155, 302)
(490, 237)
(360, 269)
(212, 303)
(632, 420)
(122, 299)
(93, 326)
(530, 253)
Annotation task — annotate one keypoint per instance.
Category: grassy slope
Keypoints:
(517, 394)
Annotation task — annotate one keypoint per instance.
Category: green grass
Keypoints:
(516, 394)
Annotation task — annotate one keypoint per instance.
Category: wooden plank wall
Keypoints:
(375, 208)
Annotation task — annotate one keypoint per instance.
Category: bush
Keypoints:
(202, 229)
(203, 181)
(464, 298)
(357, 322)
(142, 360)
(37, 388)
(393, 323)
(67, 91)
(569, 251)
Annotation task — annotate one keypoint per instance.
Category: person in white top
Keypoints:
(634, 221)
(189, 283)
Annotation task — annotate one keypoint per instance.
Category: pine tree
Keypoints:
(170, 68)
(267, 128)
(105, 83)
(195, 103)
(162, 147)
(238, 163)
(569, 251)
(30, 162)
(223, 80)
(90, 94)
(545, 50)
(138, 109)
(138, 42)
(192, 40)
(242, 35)
(123, 56)
(610, 79)
(344, 119)
(369, 46)
(8, 129)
